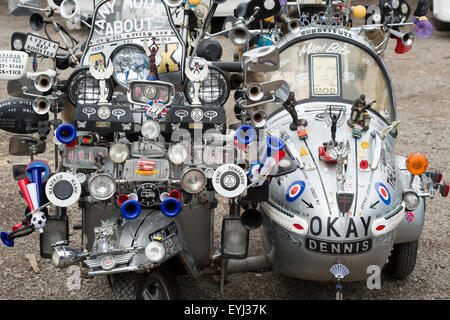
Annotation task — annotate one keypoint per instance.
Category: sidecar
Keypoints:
(352, 200)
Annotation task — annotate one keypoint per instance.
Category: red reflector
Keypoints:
(299, 227)
(444, 189)
(379, 228)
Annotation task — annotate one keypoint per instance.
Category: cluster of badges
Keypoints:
(146, 167)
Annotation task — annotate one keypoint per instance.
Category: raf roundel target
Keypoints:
(383, 193)
(229, 180)
(63, 189)
(295, 190)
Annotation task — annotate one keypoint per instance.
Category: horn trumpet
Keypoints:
(251, 219)
(239, 35)
(259, 119)
(255, 92)
(294, 25)
(69, 9)
(43, 83)
(404, 41)
(41, 105)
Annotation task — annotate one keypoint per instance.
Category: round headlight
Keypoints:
(82, 88)
(130, 63)
(193, 180)
(177, 153)
(155, 251)
(411, 200)
(102, 186)
(214, 89)
(118, 153)
(151, 129)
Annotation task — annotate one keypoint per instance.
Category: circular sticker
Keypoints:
(63, 189)
(209, 172)
(147, 194)
(38, 164)
(295, 190)
(197, 114)
(150, 92)
(383, 192)
(104, 113)
(155, 110)
(229, 180)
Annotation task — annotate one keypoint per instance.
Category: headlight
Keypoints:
(155, 251)
(214, 89)
(130, 63)
(177, 153)
(193, 180)
(82, 88)
(150, 129)
(102, 186)
(118, 153)
(411, 200)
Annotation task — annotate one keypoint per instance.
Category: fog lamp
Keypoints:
(102, 186)
(65, 256)
(411, 200)
(193, 180)
(155, 251)
(177, 153)
(118, 153)
(235, 238)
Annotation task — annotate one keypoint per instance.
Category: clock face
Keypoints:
(150, 92)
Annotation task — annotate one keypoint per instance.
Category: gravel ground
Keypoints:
(422, 87)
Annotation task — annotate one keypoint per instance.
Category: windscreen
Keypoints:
(329, 68)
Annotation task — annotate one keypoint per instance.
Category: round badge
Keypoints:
(209, 172)
(108, 263)
(63, 189)
(36, 164)
(295, 190)
(197, 114)
(150, 92)
(383, 193)
(148, 194)
(104, 113)
(229, 180)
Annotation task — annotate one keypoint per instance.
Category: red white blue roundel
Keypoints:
(295, 190)
(383, 192)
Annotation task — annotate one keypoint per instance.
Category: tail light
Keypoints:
(444, 189)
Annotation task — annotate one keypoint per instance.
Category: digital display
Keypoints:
(325, 75)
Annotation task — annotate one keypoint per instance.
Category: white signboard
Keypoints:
(13, 64)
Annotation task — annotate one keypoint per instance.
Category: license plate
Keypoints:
(41, 46)
(339, 248)
(83, 157)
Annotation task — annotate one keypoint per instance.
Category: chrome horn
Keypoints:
(294, 25)
(69, 9)
(239, 34)
(406, 38)
(41, 105)
(259, 119)
(43, 81)
(255, 92)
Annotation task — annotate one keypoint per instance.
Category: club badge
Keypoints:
(295, 190)
(104, 113)
(197, 114)
(89, 111)
(229, 180)
(383, 193)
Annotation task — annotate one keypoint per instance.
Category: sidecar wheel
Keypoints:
(154, 285)
(402, 260)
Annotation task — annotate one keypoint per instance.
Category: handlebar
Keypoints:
(228, 66)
